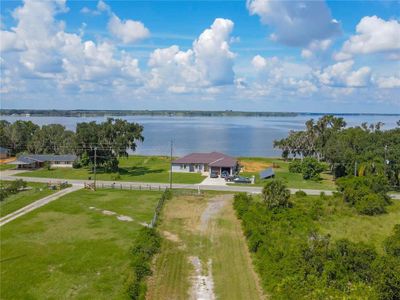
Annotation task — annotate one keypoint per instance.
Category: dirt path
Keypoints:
(24, 210)
(204, 254)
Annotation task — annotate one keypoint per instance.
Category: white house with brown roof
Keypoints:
(206, 163)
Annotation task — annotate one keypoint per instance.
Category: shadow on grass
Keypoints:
(130, 171)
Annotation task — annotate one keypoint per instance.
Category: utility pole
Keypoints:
(170, 169)
(95, 163)
(355, 168)
(386, 162)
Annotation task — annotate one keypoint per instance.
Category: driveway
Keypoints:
(24, 210)
(213, 181)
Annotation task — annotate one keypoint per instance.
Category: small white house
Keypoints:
(34, 161)
(206, 163)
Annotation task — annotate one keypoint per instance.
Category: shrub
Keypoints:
(147, 243)
(311, 168)
(367, 194)
(76, 165)
(387, 281)
(300, 193)
(275, 194)
(371, 204)
(295, 166)
(392, 243)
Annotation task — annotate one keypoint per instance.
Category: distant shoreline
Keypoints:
(167, 113)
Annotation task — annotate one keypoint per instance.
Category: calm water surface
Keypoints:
(237, 136)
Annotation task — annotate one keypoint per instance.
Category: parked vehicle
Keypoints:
(241, 179)
(230, 178)
(214, 175)
(225, 174)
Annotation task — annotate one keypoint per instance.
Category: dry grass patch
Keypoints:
(254, 166)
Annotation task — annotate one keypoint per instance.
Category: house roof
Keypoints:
(214, 159)
(28, 159)
(269, 172)
(22, 161)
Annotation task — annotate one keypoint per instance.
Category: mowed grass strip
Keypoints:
(281, 169)
(23, 198)
(69, 250)
(234, 275)
(223, 243)
(133, 168)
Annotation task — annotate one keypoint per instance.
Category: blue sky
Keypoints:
(334, 56)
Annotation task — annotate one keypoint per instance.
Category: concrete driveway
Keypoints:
(213, 181)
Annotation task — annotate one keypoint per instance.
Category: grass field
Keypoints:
(21, 199)
(6, 167)
(220, 242)
(134, 168)
(253, 165)
(71, 249)
(361, 228)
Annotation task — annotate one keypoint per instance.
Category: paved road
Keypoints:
(37, 204)
(152, 185)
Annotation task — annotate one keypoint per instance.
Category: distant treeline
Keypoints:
(179, 113)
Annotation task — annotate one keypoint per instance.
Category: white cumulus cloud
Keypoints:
(342, 74)
(296, 23)
(208, 63)
(128, 31)
(373, 35)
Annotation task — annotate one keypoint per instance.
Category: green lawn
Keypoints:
(6, 167)
(21, 199)
(281, 168)
(134, 168)
(70, 249)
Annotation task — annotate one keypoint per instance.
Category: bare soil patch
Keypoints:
(254, 166)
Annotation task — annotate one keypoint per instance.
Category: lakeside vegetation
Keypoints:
(169, 113)
(360, 151)
(76, 246)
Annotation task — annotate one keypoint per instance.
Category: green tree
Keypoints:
(275, 194)
(54, 139)
(19, 135)
(311, 168)
(110, 140)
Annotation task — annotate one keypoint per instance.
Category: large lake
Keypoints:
(237, 136)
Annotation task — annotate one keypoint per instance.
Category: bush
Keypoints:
(311, 168)
(392, 243)
(147, 243)
(300, 193)
(275, 194)
(371, 204)
(76, 165)
(295, 166)
(387, 281)
(367, 194)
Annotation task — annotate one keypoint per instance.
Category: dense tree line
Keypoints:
(179, 113)
(110, 140)
(295, 261)
(362, 150)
